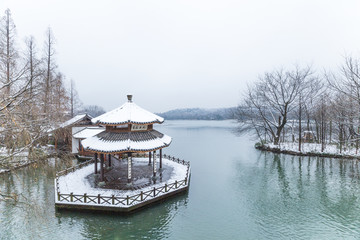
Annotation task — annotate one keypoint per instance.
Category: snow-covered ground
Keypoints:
(76, 182)
(19, 157)
(315, 148)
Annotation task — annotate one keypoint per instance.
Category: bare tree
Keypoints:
(75, 103)
(347, 103)
(34, 70)
(271, 99)
(25, 113)
(50, 66)
(12, 70)
(348, 81)
(8, 54)
(93, 110)
(309, 93)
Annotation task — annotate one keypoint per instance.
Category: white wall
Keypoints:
(75, 142)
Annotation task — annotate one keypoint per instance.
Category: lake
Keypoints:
(236, 192)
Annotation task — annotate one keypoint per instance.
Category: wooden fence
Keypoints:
(116, 200)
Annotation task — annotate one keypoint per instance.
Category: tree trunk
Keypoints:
(300, 124)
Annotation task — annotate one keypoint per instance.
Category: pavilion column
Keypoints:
(96, 161)
(109, 160)
(154, 163)
(102, 166)
(160, 158)
(149, 158)
(129, 167)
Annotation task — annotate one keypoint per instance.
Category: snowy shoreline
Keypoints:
(311, 149)
(22, 158)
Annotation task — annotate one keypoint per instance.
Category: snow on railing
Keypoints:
(72, 169)
(115, 200)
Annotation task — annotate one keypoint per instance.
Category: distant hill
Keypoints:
(198, 114)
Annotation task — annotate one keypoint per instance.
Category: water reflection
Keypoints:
(34, 215)
(31, 214)
(150, 223)
(303, 197)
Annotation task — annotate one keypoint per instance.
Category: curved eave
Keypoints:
(127, 151)
(79, 138)
(99, 145)
(127, 122)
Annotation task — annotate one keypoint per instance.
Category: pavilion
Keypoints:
(128, 130)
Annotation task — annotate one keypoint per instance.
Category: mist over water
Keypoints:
(236, 192)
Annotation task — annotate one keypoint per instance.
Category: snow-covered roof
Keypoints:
(129, 112)
(115, 142)
(88, 132)
(71, 121)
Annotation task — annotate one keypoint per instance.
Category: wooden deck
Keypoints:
(143, 195)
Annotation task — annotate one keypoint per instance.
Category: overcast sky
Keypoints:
(186, 53)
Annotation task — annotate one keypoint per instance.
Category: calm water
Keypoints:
(236, 192)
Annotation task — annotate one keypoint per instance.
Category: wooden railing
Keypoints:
(115, 200)
(72, 169)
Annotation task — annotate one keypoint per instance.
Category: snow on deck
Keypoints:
(77, 183)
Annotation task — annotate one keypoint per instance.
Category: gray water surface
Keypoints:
(236, 192)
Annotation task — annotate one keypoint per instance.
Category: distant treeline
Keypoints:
(199, 114)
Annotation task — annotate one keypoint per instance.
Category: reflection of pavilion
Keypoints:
(129, 130)
(126, 153)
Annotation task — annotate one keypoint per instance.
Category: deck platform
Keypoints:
(142, 175)
(115, 193)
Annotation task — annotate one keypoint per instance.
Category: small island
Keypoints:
(296, 111)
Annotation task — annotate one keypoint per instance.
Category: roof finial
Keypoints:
(129, 97)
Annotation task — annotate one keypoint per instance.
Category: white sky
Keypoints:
(185, 53)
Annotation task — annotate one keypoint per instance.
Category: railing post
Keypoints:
(141, 196)
(71, 197)
(160, 157)
(98, 198)
(165, 187)
(154, 164)
(84, 197)
(95, 165)
(113, 199)
(58, 194)
(176, 184)
(154, 191)
(185, 181)
(127, 200)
